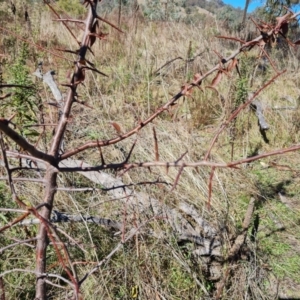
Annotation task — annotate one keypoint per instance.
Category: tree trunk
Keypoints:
(41, 248)
(245, 12)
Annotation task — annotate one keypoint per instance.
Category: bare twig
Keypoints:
(39, 275)
(211, 176)
(155, 145)
(13, 210)
(16, 244)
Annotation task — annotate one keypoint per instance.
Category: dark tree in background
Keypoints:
(271, 9)
(276, 7)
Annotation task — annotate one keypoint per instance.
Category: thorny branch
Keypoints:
(180, 164)
(187, 88)
(23, 143)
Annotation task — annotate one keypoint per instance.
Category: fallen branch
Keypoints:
(236, 247)
(59, 217)
(257, 107)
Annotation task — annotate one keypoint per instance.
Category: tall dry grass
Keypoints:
(160, 268)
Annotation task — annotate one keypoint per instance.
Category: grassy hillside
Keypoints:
(146, 65)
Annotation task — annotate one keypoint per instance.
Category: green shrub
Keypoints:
(23, 100)
(73, 7)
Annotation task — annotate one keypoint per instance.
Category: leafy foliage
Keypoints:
(73, 7)
(230, 17)
(23, 100)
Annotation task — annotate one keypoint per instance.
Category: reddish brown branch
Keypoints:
(110, 24)
(54, 11)
(62, 259)
(93, 144)
(177, 178)
(51, 173)
(9, 172)
(196, 82)
(155, 145)
(15, 221)
(69, 20)
(2, 290)
(33, 44)
(203, 163)
(210, 180)
(19, 140)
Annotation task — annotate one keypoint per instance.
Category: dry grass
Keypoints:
(160, 268)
